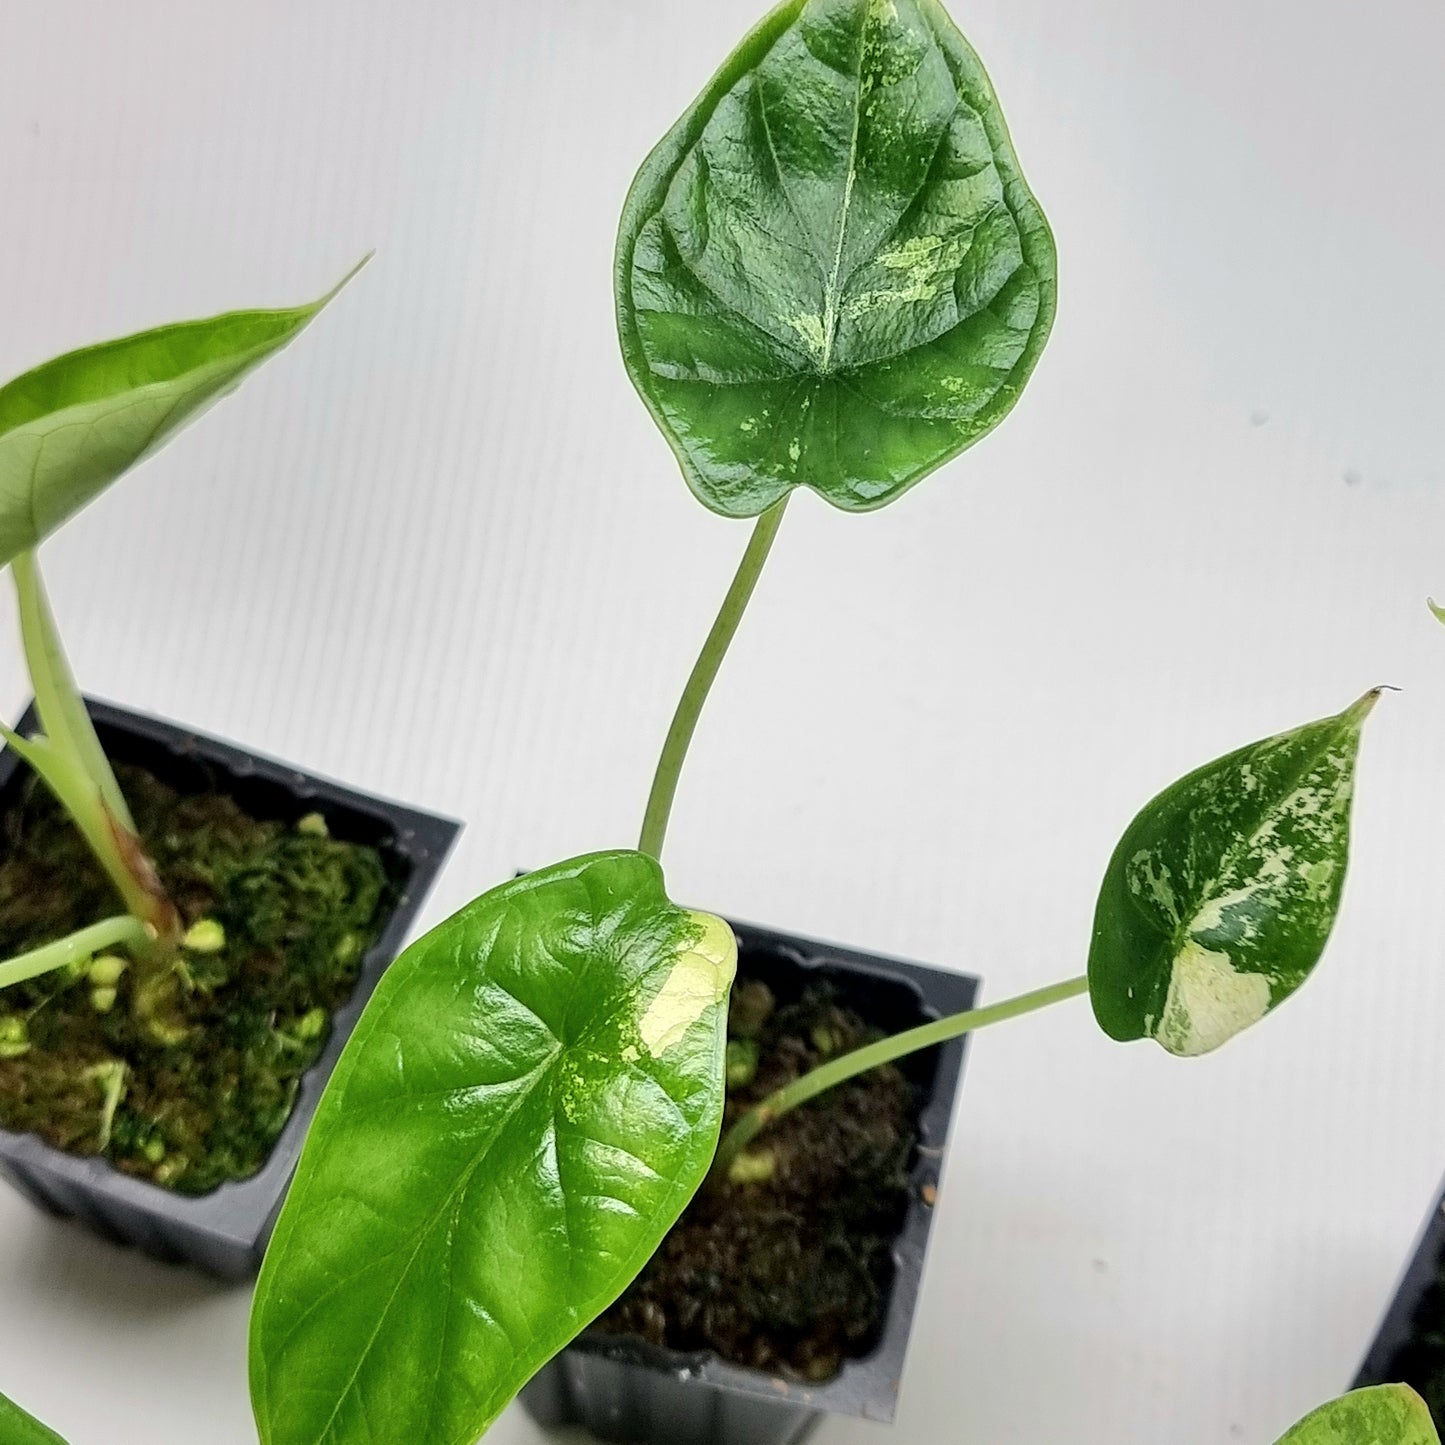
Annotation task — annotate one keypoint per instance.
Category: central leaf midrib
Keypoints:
(425, 1234)
(832, 291)
(1182, 933)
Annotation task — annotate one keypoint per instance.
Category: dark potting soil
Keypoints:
(193, 1087)
(1421, 1363)
(787, 1269)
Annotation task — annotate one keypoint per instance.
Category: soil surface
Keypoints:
(788, 1270)
(190, 1087)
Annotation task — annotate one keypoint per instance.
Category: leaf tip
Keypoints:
(1358, 711)
(1436, 608)
(346, 280)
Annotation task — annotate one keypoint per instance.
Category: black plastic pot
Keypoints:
(225, 1232)
(1396, 1354)
(622, 1389)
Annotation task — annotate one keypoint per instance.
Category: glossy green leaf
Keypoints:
(831, 273)
(530, 1099)
(1221, 895)
(18, 1428)
(70, 427)
(1380, 1415)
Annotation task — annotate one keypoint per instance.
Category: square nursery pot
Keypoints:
(225, 1232)
(1409, 1345)
(624, 1389)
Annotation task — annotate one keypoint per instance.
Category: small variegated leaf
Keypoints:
(1437, 609)
(1221, 895)
(1379, 1415)
(18, 1428)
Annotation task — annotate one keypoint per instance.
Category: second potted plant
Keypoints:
(159, 1064)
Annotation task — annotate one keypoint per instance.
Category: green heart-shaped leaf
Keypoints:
(18, 1428)
(530, 1099)
(1380, 1415)
(72, 426)
(1221, 894)
(830, 273)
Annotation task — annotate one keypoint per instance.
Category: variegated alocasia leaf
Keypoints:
(73, 425)
(831, 273)
(1222, 892)
(18, 1428)
(1379, 1415)
(530, 1099)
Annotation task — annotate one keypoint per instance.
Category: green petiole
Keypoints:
(122, 930)
(57, 699)
(68, 757)
(699, 682)
(885, 1051)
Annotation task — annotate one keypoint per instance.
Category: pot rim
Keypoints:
(867, 1385)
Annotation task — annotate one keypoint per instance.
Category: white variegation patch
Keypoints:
(1208, 1001)
(813, 331)
(699, 981)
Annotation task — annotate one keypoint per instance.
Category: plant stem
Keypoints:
(69, 758)
(108, 933)
(885, 1051)
(62, 710)
(705, 669)
(117, 850)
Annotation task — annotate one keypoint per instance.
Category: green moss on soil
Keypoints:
(299, 911)
(789, 1271)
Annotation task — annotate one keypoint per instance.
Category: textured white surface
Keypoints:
(437, 550)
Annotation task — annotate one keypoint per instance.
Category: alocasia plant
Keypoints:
(830, 275)
(68, 429)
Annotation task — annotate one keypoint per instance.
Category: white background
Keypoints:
(437, 550)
